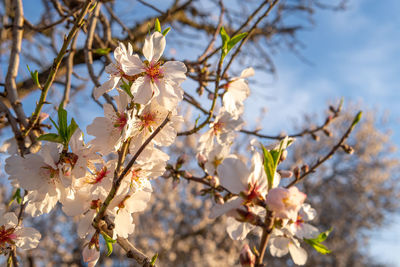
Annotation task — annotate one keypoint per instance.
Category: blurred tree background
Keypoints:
(355, 194)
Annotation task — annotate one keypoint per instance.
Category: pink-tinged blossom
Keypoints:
(286, 203)
(222, 129)
(12, 234)
(237, 90)
(114, 128)
(247, 258)
(158, 80)
(148, 120)
(249, 184)
(300, 228)
(90, 255)
(116, 70)
(282, 243)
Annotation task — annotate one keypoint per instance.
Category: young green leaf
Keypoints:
(320, 248)
(62, 122)
(34, 76)
(102, 51)
(357, 119)
(235, 39)
(269, 166)
(71, 129)
(55, 124)
(166, 31)
(51, 137)
(126, 87)
(153, 259)
(316, 242)
(225, 39)
(109, 243)
(157, 26)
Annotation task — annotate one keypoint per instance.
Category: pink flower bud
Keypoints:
(201, 158)
(210, 96)
(90, 255)
(286, 203)
(247, 258)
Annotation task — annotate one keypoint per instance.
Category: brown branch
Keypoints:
(12, 72)
(151, 6)
(312, 132)
(56, 64)
(214, 38)
(70, 68)
(329, 154)
(269, 222)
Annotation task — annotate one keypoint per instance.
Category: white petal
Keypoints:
(142, 90)
(124, 224)
(299, 255)
(90, 256)
(154, 47)
(28, 238)
(9, 220)
(233, 175)
(238, 230)
(279, 246)
(175, 70)
(218, 209)
(247, 73)
(106, 87)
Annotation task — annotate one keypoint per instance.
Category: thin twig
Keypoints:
(56, 64)
(68, 74)
(151, 6)
(328, 155)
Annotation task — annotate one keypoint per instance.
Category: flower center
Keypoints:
(7, 236)
(217, 127)
(120, 121)
(153, 71)
(100, 175)
(299, 220)
(147, 120)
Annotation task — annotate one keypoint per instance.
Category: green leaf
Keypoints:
(269, 166)
(126, 87)
(51, 137)
(34, 76)
(320, 248)
(55, 124)
(356, 119)
(316, 242)
(166, 31)
(16, 196)
(153, 259)
(225, 39)
(235, 39)
(102, 51)
(62, 122)
(109, 243)
(71, 129)
(157, 26)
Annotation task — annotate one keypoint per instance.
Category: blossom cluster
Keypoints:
(128, 140)
(80, 175)
(251, 195)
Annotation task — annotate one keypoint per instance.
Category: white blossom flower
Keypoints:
(114, 128)
(90, 255)
(223, 129)
(148, 121)
(300, 228)
(215, 157)
(282, 244)
(158, 80)
(286, 203)
(237, 91)
(249, 185)
(12, 234)
(116, 70)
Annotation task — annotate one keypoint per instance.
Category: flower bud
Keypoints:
(296, 172)
(214, 181)
(90, 255)
(218, 198)
(315, 137)
(285, 174)
(201, 159)
(211, 96)
(284, 155)
(327, 132)
(247, 258)
(305, 168)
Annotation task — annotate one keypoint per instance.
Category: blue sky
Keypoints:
(355, 54)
